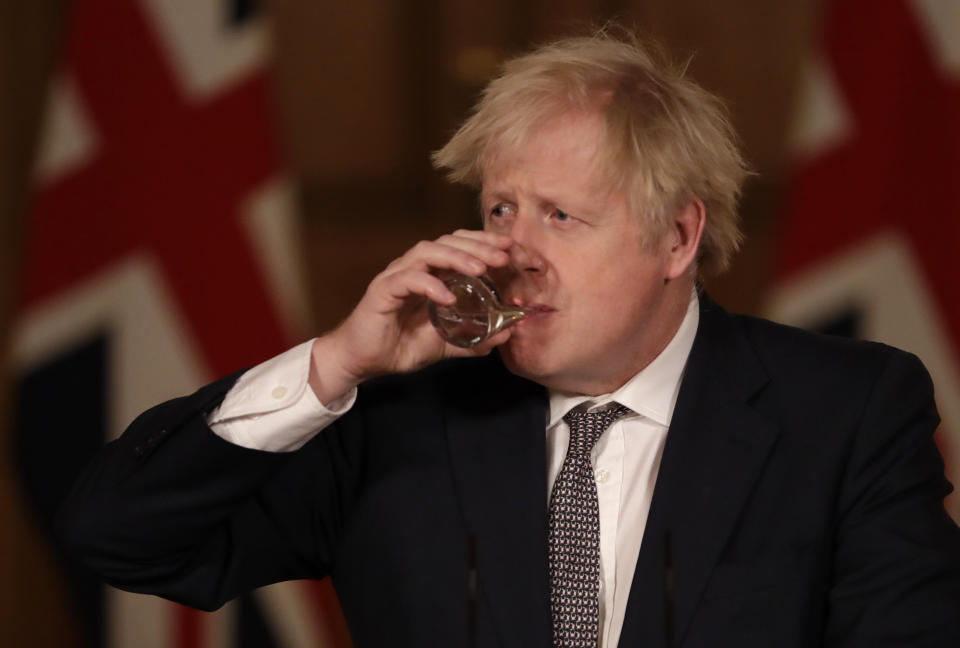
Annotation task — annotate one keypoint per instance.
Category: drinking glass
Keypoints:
(477, 314)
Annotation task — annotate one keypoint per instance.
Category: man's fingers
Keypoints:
(466, 251)
(480, 242)
(404, 283)
(466, 257)
(501, 241)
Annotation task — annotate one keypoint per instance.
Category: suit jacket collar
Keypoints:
(715, 449)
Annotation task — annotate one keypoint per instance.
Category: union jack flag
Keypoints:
(161, 253)
(871, 235)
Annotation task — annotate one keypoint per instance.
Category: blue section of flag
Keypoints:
(252, 629)
(60, 422)
(242, 11)
(846, 322)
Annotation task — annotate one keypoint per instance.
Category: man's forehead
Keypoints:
(507, 175)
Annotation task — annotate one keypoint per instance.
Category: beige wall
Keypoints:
(367, 89)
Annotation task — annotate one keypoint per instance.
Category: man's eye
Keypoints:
(561, 215)
(500, 211)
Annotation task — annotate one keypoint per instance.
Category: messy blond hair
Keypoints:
(666, 142)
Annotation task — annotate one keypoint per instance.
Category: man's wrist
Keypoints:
(329, 379)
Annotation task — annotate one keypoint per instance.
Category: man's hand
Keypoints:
(389, 331)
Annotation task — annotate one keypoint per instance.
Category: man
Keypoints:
(633, 466)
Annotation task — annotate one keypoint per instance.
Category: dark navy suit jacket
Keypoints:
(800, 494)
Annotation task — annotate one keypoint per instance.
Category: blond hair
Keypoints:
(667, 140)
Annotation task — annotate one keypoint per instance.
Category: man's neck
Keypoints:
(659, 333)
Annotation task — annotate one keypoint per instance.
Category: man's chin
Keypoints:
(525, 362)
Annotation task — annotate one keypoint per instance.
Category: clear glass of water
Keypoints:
(477, 314)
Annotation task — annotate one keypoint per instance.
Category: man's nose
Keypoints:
(524, 253)
(525, 258)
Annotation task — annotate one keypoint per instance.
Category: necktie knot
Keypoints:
(586, 428)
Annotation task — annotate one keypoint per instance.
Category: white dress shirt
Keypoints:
(271, 407)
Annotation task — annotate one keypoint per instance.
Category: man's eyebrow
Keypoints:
(494, 194)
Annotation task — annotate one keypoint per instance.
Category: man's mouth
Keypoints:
(536, 310)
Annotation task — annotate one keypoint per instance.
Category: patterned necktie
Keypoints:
(573, 542)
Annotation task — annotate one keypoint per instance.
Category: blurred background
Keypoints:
(190, 186)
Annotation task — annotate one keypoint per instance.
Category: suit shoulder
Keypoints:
(827, 387)
(784, 349)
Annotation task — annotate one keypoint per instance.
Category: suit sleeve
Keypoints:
(172, 509)
(897, 565)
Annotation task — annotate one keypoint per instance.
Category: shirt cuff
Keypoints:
(272, 407)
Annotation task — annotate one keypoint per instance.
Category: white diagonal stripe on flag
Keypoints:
(941, 20)
(821, 120)
(154, 357)
(67, 139)
(271, 222)
(207, 54)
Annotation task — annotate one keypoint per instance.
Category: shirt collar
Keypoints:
(653, 391)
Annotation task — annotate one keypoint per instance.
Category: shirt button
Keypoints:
(602, 476)
(279, 392)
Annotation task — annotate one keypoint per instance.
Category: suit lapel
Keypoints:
(715, 450)
(496, 437)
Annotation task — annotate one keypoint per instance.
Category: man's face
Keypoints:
(581, 257)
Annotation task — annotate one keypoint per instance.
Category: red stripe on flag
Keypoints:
(189, 627)
(328, 616)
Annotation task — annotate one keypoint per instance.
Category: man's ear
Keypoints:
(683, 238)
